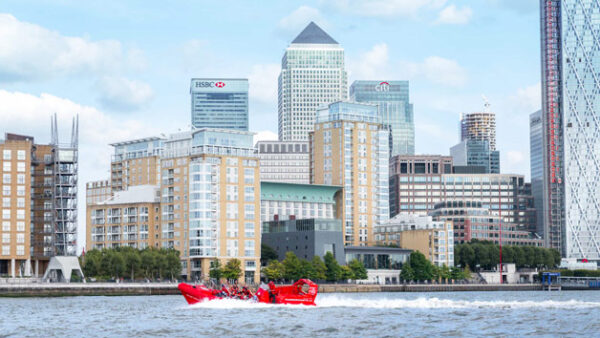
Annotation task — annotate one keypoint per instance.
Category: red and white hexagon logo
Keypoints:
(220, 84)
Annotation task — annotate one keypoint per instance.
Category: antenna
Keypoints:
(486, 104)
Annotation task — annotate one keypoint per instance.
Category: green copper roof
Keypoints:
(289, 192)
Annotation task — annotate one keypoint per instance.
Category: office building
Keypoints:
(350, 148)
(415, 182)
(536, 152)
(135, 162)
(306, 238)
(129, 218)
(284, 162)
(288, 201)
(476, 153)
(417, 186)
(472, 220)
(434, 239)
(39, 201)
(219, 103)
(395, 110)
(312, 74)
(479, 126)
(570, 62)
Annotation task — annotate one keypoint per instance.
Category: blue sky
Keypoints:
(125, 66)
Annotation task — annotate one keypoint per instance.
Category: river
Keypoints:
(541, 313)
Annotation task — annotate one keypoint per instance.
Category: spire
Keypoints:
(314, 34)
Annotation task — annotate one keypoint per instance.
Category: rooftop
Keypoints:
(135, 194)
(313, 34)
(145, 139)
(293, 192)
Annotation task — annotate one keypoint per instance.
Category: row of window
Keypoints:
(7, 155)
(6, 250)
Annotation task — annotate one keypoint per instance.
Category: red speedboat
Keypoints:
(304, 292)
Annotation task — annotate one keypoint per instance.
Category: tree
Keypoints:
(307, 270)
(147, 264)
(557, 257)
(117, 264)
(466, 273)
(215, 270)
(132, 262)
(173, 264)
(333, 268)
(273, 271)
(508, 254)
(319, 268)
(292, 267)
(358, 269)
(267, 254)
(232, 270)
(482, 256)
(444, 272)
(407, 273)
(548, 259)
(519, 255)
(468, 255)
(421, 266)
(345, 273)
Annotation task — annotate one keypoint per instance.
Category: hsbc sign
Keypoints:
(382, 87)
(209, 84)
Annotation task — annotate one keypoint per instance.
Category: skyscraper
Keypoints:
(570, 101)
(312, 74)
(394, 109)
(220, 103)
(479, 126)
(476, 153)
(537, 167)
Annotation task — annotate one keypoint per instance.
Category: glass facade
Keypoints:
(537, 167)
(394, 110)
(476, 153)
(220, 103)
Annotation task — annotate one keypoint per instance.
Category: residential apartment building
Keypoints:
(284, 161)
(395, 110)
(210, 200)
(312, 74)
(136, 162)
(350, 148)
(97, 191)
(285, 201)
(417, 186)
(129, 218)
(434, 239)
(571, 143)
(219, 103)
(472, 220)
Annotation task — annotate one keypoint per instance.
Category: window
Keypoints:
(232, 192)
(249, 248)
(20, 226)
(20, 178)
(21, 167)
(232, 229)
(6, 202)
(6, 178)
(21, 155)
(6, 166)
(6, 154)
(20, 250)
(232, 247)
(5, 225)
(5, 238)
(6, 190)
(6, 250)
(20, 214)
(5, 214)
(249, 194)
(20, 190)
(249, 211)
(20, 238)
(21, 202)
(248, 230)
(232, 210)
(249, 175)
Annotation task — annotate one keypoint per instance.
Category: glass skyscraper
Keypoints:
(312, 74)
(394, 110)
(220, 103)
(571, 121)
(536, 151)
(476, 153)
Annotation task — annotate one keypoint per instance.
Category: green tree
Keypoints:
(407, 273)
(267, 254)
(358, 269)
(466, 273)
(548, 258)
(215, 271)
(132, 262)
(147, 263)
(333, 268)
(482, 255)
(274, 270)
(319, 268)
(232, 270)
(117, 264)
(519, 255)
(508, 254)
(307, 270)
(292, 267)
(444, 272)
(529, 254)
(468, 255)
(173, 264)
(421, 266)
(557, 257)
(345, 273)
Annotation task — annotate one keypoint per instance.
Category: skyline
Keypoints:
(123, 72)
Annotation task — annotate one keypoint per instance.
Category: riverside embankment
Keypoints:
(146, 289)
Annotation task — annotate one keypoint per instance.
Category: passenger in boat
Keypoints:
(272, 292)
(225, 291)
(246, 293)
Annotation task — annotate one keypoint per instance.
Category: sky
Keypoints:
(125, 66)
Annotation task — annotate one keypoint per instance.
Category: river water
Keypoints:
(564, 313)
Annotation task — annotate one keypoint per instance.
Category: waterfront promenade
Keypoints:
(147, 289)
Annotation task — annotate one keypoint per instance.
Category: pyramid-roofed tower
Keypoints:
(314, 34)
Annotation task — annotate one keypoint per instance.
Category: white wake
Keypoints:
(331, 300)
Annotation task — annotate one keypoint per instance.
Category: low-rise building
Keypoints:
(434, 239)
(383, 264)
(306, 238)
(129, 218)
(283, 201)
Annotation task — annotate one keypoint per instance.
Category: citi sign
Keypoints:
(209, 84)
(382, 87)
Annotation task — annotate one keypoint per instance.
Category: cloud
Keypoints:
(265, 135)
(263, 82)
(528, 99)
(518, 6)
(438, 70)
(31, 52)
(453, 15)
(298, 19)
(371, 65)
(119, 93)
(384, 8)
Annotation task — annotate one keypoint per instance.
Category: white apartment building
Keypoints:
(284, 161)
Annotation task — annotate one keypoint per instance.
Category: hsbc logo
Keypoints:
(382, 87)
(209, 84)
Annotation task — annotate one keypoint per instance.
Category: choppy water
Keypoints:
(337, 315)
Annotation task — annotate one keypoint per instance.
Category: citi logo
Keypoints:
(220, 84)
(382, 87)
